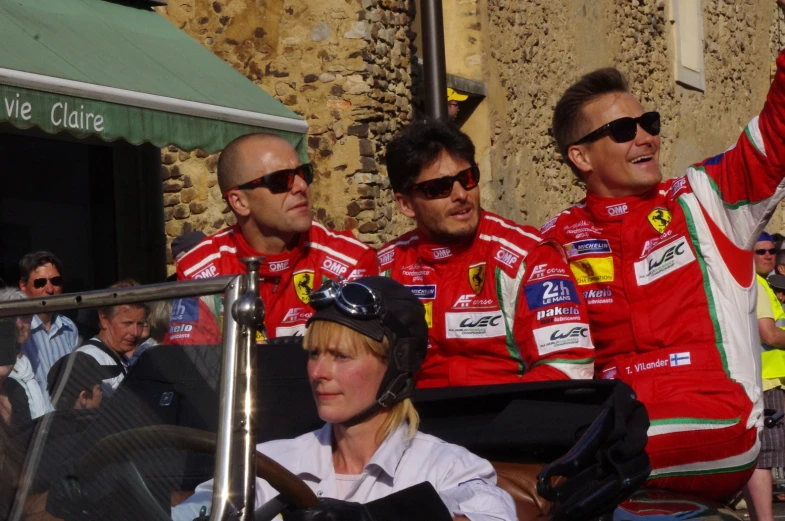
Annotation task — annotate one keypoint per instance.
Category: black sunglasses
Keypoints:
(280, 181)
(442, 186)
(55, 281)
(762, 251)
(623, 130)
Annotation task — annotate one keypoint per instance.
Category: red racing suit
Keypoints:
(285, 280)
(668, 280)
(504, 309)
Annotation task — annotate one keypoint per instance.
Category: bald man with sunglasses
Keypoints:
(666, 271)
(267, 188)
(501, 303)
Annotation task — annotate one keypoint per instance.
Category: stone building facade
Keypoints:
(351, 69)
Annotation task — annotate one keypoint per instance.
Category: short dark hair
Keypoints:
(780, 259)
(419, 144)
(568, 120)
(32, 261)
(110, 311)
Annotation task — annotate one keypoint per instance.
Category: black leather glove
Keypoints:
(418, 503)
(330, 510)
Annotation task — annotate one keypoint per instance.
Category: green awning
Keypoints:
(97, 68)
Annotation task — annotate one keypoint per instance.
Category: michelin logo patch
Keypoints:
(185, 310)
(549, 292)
(426, 292)
(663, 261)
(474, 325)
(563, 336)
(586, 247)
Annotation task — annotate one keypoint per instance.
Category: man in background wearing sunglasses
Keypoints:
(52, 335)
(665, 267)
(501, 303)
(267, 188)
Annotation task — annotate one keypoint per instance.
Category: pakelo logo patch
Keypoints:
(475, 325)
(663, 261)
(591, 271)
(586, 247)
(598, 296)
(302, 282)
(659, 218)
(563, 336)
(549, 292)
(559, 311)
(477, 277)
(426, 292)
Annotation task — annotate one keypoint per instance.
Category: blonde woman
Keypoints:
(365, 341)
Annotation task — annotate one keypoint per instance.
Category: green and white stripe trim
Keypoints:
(673, 425)
(721, 466)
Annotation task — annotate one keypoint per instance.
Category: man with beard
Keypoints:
(267, 188)
(665, 267)
(501, 303)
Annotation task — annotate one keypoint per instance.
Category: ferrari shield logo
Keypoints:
(303, 285)
(477, 277)
(660, 218)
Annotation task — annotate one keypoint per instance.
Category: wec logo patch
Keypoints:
(663, 261)
(568, 335)
(474, 325)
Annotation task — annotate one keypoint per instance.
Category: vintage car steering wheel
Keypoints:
(114, 449)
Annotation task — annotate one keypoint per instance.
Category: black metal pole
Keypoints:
(433, 58)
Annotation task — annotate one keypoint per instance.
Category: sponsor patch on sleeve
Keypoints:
(550, 292)
(593, 270)
(586, 247)
(185, 310)
(568, 335)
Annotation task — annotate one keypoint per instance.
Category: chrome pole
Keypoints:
(235, 478)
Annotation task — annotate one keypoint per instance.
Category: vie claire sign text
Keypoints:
(61, 114)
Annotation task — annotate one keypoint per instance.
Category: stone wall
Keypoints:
(347, 67)
(343, 65)
(559, 40)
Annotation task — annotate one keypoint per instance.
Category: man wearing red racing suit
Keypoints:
(274, 222)
(666, 271)
(501, 303)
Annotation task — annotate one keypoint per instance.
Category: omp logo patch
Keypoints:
(590, 271)
(549, 292)
(474, 325)
(506, 257)
(207, 272)
(387, 257)
(663, 261)
(426, 292)
(335, 267)
(586, 247)
(567, 335)
(441, 253)
(185, 310)
(558, 311)
(279, 266)
(298, 330)
(615, 210)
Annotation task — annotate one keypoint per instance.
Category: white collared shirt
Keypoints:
(465, 482)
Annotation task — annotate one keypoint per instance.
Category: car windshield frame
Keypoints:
(234, 474)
